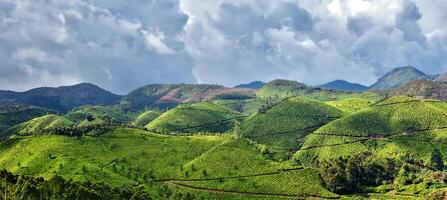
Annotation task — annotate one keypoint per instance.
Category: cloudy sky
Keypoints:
(121, 45)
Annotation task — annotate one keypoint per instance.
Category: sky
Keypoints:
(121, 45)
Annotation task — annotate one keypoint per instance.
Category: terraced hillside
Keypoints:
(121, 157)
(282, 126)
(198, 117)
(395, 127)
(351, 105)
(246, 173)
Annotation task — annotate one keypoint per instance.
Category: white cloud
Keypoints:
(121, 45)
(154, 41)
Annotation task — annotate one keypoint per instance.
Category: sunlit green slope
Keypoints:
(282, 126)
(198, 117)
(395, 127)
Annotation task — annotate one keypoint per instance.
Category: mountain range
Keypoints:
(63, 99)
(344, 85)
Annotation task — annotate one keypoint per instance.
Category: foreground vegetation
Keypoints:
(323, 144)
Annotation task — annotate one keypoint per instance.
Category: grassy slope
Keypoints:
(128, 156)
(389, 129)
(13, 115)
(283, 127)
(122, 157)
(351, 105)
(242, 159)
(281, 89)
(145, 118)
(42, 124)
(100, 112)
(199, 117)
(248, 106)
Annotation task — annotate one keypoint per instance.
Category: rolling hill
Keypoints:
(281, 127)
(145, 118)
(422, 89)
(13, 114)
(168, 96)
(79, 121)
(252, 85)
(62, 99)
(344, 86)
(398, 77)
(198, 117)
(281, 88)
(394, 127)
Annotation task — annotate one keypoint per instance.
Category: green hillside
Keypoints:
(99, 115)
(145, 118)
(14, 114)
(77, 122)
(351, 105)
(246, 171)
(396, 126)
(121, 157)
(281, 88)
(248, 106)
(282, 126)
(194, 118)
(41, 125)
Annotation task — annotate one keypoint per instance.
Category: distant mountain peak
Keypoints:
(344, 85)
(399, 77)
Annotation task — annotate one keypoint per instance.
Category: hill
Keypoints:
(351, 105)
(422, 89)
(79, 121)
(122, 157)
(281, 127)
(282, 88)
(252, 85)
(145, 118)
(62, 99)
(398, 77)
(13, 114)
(168, 96)
(389, 128)
(198, 117)
(245, 171)
(344, 85)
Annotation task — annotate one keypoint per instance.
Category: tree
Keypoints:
(436, 160)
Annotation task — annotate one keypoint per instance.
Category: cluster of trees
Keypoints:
(267, 105)
(96, 129)
(347, 175)
(25, 187)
